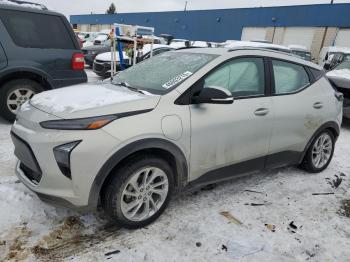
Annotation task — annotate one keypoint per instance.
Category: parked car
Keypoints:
(301, 51)
(340, 78)
(90, 52)
(102, 38)
(102, 63)
(180, 119)
(327, 53)
(337, 59)
(180, 43)
(238, 44)
(38, 51)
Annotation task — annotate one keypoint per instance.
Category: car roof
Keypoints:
(26, 7)
(298, 48)
(233, 43)
(251, 50)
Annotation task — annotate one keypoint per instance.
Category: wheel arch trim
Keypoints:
(328, 125)
(123, 153)
(28, 70)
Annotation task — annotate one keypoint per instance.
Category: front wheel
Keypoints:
(320, 153)
(139, 191)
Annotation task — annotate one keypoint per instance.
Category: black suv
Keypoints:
(38, 51)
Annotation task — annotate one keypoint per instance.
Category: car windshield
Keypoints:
(303, 54)
(344, 65)
(164, 72)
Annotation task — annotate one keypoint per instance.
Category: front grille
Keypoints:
(85, 52)
(33, 176)
(98, 67)
(24, 153)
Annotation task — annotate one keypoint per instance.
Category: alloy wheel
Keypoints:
(322, 150)
(144, 194)
(18, 97)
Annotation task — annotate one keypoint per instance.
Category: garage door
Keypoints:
(84, 28)
(299, 36)
(253, 33)
(343, 38)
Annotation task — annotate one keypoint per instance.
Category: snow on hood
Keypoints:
(91, 99)
(107, 56)
(341, 73)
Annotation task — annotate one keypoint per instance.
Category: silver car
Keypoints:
(181, 119)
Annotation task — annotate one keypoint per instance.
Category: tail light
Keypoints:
(78, 61)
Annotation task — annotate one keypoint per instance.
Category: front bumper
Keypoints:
(103, 68)
(86, 160)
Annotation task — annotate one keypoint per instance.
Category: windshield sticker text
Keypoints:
(177, 79)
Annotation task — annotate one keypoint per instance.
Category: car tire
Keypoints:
(19, 90)
(116, 200)
(320, 152)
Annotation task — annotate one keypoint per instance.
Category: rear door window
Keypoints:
(34, 30)
(289, 77)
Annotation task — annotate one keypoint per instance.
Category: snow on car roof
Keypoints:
(23, 4)
(232, 44)
(339, 49)
(298, 47)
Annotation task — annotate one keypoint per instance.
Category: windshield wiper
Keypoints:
(128, 86)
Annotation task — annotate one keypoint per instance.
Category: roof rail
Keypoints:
(23, 4)
(259, 48)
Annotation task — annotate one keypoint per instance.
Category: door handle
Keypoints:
(261, 112)
(318, 105)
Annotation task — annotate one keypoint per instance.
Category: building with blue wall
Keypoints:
(220, 25)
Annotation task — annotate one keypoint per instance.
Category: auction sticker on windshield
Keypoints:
(176, 80)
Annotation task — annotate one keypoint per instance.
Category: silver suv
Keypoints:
(183, 118)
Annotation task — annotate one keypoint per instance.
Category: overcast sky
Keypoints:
(70, 7)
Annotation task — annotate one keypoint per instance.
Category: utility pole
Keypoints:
(325, 31)
(186, 6)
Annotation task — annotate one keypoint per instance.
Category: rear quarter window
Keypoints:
(34, 30)
(317, 74)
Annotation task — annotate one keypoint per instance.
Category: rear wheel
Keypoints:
(14, 93)
(139, 191)
(320, 153)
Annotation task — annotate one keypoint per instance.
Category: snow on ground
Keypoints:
(193, 228)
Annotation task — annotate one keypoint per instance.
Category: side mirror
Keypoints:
(327, 65)
(213, 95)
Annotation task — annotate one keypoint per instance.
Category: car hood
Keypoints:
(341, 78)
(97, 48)
(87, 100)
(106, 57)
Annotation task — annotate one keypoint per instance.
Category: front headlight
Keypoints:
(93, 52)
(91, 123)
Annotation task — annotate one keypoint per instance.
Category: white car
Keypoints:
(102, 63)
(328, 52)
(180, 119)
